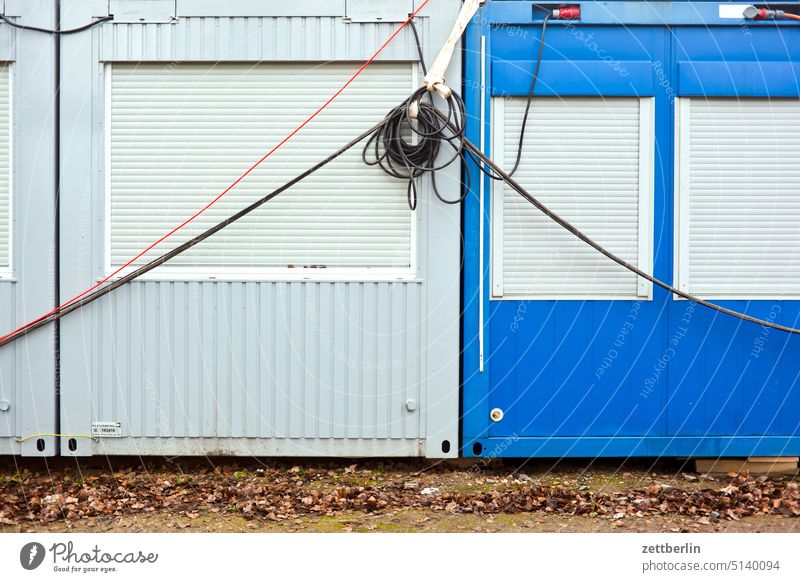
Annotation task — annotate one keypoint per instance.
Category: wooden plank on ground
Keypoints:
(754, 465)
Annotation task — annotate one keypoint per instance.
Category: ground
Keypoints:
(232, 495)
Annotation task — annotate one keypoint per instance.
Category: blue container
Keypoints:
(559, 377)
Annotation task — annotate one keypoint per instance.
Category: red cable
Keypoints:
(235, 182)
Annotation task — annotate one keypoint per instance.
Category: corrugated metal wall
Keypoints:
(273, 367)
(27, 289)
(280, 361)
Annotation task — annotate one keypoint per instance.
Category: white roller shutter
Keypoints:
(590, 160)
(180, 134)
(5, 168)
(738, 217)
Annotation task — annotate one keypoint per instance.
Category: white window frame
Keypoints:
(192, 273)
(7, 272)
(681, 214)
(646, 220)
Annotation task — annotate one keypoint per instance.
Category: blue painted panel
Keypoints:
(680, 446)
(559, 77)
(618, 378)
(740, 78)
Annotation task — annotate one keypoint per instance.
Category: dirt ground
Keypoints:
(235, 495)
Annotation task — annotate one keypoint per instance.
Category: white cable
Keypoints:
(434, 80)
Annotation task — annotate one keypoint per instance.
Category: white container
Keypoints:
(247, 346)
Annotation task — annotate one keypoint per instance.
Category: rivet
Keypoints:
(4, 405)
(411, 405)
(496, 414)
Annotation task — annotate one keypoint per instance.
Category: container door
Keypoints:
(27, 230)
(568, 334)
(737, 195)
(574, 321)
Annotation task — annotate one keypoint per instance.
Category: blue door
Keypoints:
(640, 132)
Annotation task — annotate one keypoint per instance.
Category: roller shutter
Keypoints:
(590, 160)
(180, 134)
(739, 197)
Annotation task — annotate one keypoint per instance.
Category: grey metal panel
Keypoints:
(259, 7)
(27, 373)
(263, 362)
(261, 447)
(259, 367)
(254, 38)
(8, 44)
(8, 392)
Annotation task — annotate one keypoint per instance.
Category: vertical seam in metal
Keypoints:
(57, 222)
(481, 198)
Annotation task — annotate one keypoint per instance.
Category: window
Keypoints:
(738, 197)
(590, 159)
(5, 169)
(180, 134)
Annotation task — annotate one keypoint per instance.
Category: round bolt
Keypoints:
(411, 405)
(4, 405)
(496, 414)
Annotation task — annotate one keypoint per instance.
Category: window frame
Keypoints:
(166, 272)
(646, 203)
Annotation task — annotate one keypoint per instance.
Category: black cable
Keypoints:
(508, 179)
(98, 293)
(530, 96)
(466, 148)
(408, 143)
(419, 47)
(450, 130)
(57, 31)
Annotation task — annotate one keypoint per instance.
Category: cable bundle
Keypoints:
(408, 142)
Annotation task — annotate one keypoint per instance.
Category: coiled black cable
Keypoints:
(408, 142)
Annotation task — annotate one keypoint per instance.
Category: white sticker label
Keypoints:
(732, 10)
(107, 429)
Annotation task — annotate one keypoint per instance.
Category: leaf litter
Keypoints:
(278, 492)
